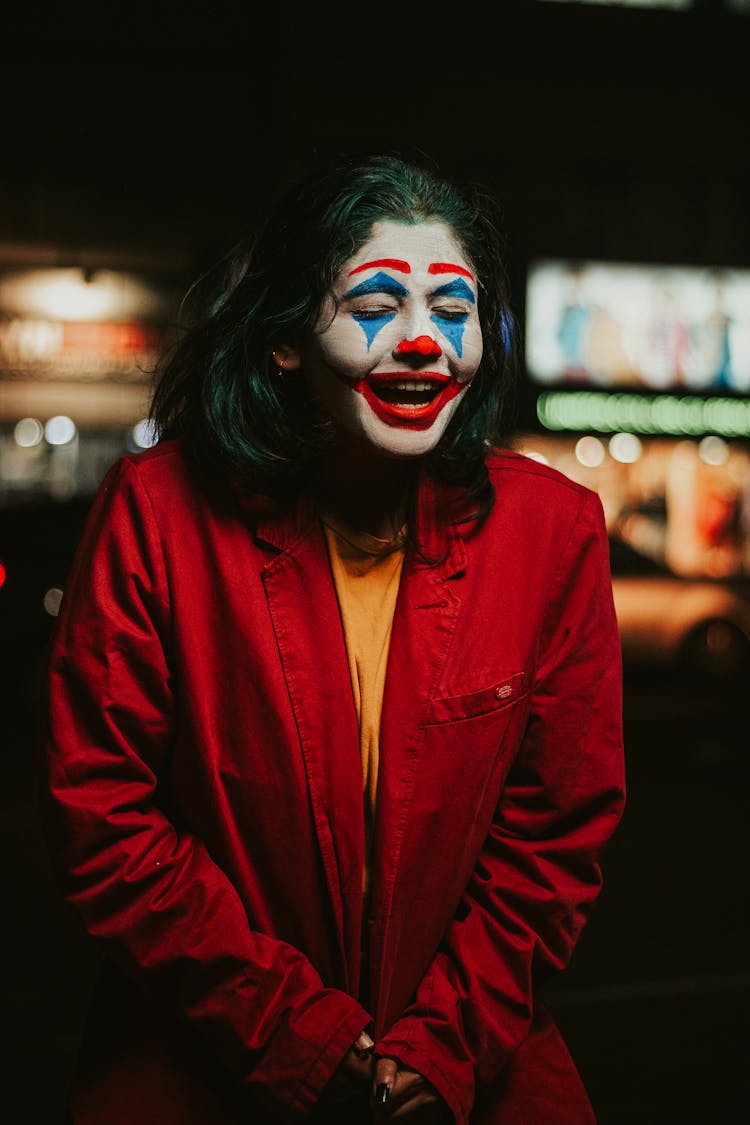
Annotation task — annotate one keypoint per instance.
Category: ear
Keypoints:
(286, 357)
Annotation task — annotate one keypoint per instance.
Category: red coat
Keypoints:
(203, 798)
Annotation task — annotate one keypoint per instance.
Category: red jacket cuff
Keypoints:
(326, 1062)
(411, 1043)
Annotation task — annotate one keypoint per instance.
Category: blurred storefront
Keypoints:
(80, 336)
(682, 501)
(641, 376)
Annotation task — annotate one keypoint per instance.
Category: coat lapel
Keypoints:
(305, 615)
(424, 624)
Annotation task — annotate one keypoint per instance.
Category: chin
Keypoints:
(404, 447)
(401, 442)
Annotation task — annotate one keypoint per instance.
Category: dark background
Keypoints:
(606, 133)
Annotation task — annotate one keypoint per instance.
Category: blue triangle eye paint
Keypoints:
(378, 283)
(457, 288)
(452, 326)
(372, 321)
(453, 329)
(371, 325)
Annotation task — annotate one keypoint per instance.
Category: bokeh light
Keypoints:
(28, 432)
(60, 430)
(647, 414)
(713, 450)
(625, 448)
(590, 451)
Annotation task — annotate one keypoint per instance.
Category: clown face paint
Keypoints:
(398, 341)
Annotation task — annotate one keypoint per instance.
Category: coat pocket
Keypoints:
(505, 691)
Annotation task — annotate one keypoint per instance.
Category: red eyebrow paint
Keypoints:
(389, 263)
(448, 267)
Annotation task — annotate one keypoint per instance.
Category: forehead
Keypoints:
(419, 245)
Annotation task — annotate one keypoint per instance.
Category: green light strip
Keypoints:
(643, 414)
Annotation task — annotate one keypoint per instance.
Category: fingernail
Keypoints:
(364, 1043)
(382, 1093)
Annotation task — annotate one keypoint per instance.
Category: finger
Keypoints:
(408, 1083)
(384, 1079)
(363, 1043)
(417, 1107)
(359, 1066)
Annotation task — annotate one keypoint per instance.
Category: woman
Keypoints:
(334, 741)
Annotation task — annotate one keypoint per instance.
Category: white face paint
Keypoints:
(399, 341)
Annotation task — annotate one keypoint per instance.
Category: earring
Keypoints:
(279, 364)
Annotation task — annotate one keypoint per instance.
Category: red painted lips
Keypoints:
(407, 399)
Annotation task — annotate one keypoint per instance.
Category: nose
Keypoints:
(421, 347)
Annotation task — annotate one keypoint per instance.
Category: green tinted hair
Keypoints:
(219, 388)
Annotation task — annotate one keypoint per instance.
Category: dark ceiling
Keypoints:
(605, 132)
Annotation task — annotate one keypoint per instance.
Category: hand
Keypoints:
(353, 1075)
(410, 1096)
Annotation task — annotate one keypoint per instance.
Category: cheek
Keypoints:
(344, 347)
(333, 366)
(471, 355)
(336, 396)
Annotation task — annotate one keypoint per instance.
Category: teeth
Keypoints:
(422, 385)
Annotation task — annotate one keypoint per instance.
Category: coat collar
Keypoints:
(281, 524)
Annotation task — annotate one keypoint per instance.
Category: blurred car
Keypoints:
(693, 626)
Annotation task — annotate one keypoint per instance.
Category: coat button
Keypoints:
(504, 691)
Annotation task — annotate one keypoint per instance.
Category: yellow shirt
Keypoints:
(366, 573)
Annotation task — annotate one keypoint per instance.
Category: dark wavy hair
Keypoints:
(219, 389)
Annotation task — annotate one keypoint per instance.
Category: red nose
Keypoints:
(422, 345)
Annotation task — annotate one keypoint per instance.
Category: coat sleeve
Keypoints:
(539, 871)
(142, 885)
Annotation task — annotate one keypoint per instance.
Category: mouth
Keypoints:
(403, 399)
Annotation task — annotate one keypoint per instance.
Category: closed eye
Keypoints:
(373, 314)
(451, 314)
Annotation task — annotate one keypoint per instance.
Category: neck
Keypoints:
(368, 492)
